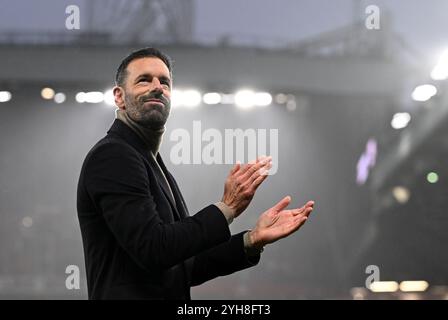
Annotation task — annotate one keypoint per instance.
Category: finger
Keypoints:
(307, 212)
(282, 204)
(263, 172)
(298, 222)
(298, 211)
(256, 160)
(256, 183)
(261, 162)
(293, 212)
(243, 169)
(293, 226)
(235, 168)
(253, 169)
(261, 158)
(310, 204)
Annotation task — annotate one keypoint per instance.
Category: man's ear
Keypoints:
(119, 97)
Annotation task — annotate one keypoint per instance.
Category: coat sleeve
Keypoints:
(224, 259)
(116, 180)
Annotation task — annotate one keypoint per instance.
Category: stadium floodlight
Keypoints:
(414, 286)
(47, 93)
(281, 98)
(176, 98)
(5, 96)
(109, 98)
(59, 97)
(245, 99)
(424, 92)
(384, 286)
(94, 97)
(191, 98)
(400, 120)
(440, 71)
(185, 98)
(401, 194)
(432, 177)
(262, 99)
(212, 98)
(80, 97)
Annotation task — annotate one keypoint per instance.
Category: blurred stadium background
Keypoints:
(362, 117)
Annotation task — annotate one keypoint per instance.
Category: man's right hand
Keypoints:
(242, 182)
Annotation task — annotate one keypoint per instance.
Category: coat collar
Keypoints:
(121, 129)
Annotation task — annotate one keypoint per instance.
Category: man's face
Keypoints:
(147, 92)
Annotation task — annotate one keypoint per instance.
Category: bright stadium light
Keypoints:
(245, 99)
(384, 286)
(5, 96)
(401, 194)
(400, 120)
(47, 93)
(27, 222)
(109, 98)
(80, 97)
(424, 92)
(176, 98)
(228, 98)
(291, 105)
(191, 98)
(262, 99)
(94, 97)
(185, 98)
(440, 71)
(281, 98)
(414, 286)
(211, 98)
(432, 177)
(59, 97)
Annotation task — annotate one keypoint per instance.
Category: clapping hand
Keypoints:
(276, 223)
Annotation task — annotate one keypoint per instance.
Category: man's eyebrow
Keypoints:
(148, 75)
(165, 78)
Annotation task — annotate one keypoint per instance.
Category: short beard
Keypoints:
(153, 117)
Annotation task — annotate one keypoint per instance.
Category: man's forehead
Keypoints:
(148, 64)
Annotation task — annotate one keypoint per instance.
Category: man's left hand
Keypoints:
(276, 223)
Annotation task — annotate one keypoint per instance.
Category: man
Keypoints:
(139, 240)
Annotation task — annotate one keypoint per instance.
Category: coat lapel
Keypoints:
(180, 203)
(163, 183)
(121, 129)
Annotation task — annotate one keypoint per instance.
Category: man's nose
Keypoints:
(156, 85)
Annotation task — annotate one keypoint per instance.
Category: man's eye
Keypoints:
(143, 80)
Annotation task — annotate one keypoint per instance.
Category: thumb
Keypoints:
(282, 204)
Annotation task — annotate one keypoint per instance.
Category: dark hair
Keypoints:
(120, 76)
